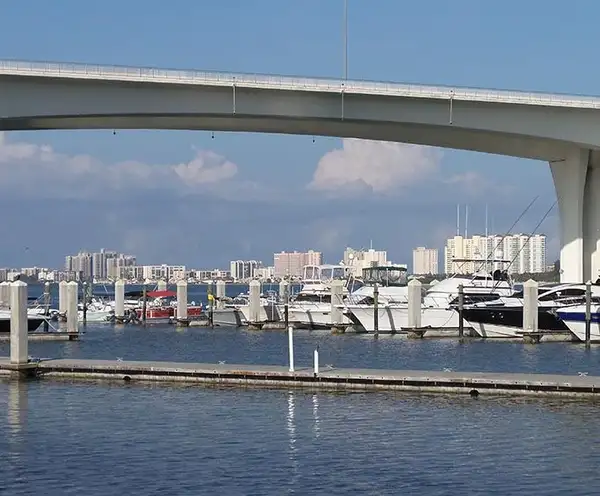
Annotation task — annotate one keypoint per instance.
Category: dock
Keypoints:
(328, 378)
(45, 336)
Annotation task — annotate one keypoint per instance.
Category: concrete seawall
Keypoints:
(473, 383)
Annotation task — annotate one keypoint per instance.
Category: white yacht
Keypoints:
(438, 306)
(97, 311)
(391, 284)
(574, 318)
(503, 318)
(236, 311)
(311, 306)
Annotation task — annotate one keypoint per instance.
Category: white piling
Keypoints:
(316, 361)
(414, 304)
(284, 288)
(254, 310)
(161, 285)
(530, 306)
(72, 300)
(62, 297)
(182, 302)
(119, 299)
(18, 323)
(291, 347)
(5, 293)
(220, 294)
(337, 301)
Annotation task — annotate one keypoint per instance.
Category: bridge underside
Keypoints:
(577, 183)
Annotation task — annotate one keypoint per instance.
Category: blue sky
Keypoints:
(266, 205)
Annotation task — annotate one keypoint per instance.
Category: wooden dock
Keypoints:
(473, 383)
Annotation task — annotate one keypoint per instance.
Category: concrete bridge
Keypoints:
(562, 130)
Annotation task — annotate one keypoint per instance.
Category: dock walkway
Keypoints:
(473, 383)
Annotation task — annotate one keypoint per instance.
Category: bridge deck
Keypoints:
(328, 378)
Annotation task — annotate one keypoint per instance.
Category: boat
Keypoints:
(34, 320)
(574, 319)
(97, 311)
(503, 318)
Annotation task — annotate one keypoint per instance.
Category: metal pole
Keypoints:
(588, 313)
(85, 302)
(291, 347)
(144, 304)
(345, 39)
(46, 306)
(461, 304)
(286, 307)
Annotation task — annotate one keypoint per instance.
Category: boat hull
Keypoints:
(33, 323)
(575, 321)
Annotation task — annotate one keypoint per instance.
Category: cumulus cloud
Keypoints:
(377, 165)
(39, 169)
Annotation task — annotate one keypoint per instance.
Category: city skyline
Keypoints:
(141, 191)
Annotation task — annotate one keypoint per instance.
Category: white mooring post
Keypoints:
(62, 297)
(72, 301)
(18, 323)
(119, 300)
(337, 300)
(414, 304)
(220, 294)
(182, 302)
(316, 361)
(254, 313)
(5, 294)
(530, 306)
(291, 347)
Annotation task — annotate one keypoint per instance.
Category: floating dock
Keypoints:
(46, 336)
(472, 383)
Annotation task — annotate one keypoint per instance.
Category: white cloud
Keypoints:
(381, 166)
(39, 169)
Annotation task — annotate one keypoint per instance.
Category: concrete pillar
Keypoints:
(18, 323)
(337, 299)
(414, 304)
(62, 297)
(220, 294)
(591, 220)
(161, 285)
(254, 311)
(530, 306)
(569, 181)
(182, 302)
(119, 299)
(72, 300)
(5, 294)
(284, 289)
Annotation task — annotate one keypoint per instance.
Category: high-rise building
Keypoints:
(425, 260)
(517, 254)
(291, 263)
(361, 259)
(98, 266)
(244, 269)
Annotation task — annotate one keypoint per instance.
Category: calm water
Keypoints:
(95, 439)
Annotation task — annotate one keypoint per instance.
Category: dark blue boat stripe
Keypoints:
(577, 316)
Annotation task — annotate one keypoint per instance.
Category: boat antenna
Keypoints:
(458, 219)
(486, 239)
(530, 236)
(466, 221)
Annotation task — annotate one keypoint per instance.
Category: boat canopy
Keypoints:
(161, 294)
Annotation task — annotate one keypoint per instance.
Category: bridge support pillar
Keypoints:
(569, 177)
(591, 220)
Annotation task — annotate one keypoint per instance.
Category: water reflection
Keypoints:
(17, 408)
(317, 427)
(291, 428)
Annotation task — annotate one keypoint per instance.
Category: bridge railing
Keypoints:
(148, 74)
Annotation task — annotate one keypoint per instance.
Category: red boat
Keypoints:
(161, 310)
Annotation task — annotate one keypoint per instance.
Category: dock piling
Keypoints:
(461, 307)
(284, 298)
(254, 319)
(72, 301)
(414, 304)
(337, 300)
(119, 300)
(144, 304)
(588, 314)
(182, 302)
(316, 361)
(19, 354)
(530, 312)
(5, 294)
(220, 294)
(291, 347)
(62, 297)
(161, 285)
